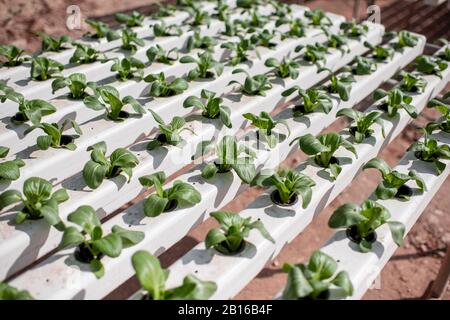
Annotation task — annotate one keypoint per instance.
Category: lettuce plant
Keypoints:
(239, 49)
(314, 279)
(32, 110)
(412, 82)
(128, 68)
(341, 85)
(162, 88)
(323, 148)
(11, 56)
(108, 98)
(228, 153)
(135, 19)
(8, 292)
(100, 167)
(53, 44)
(199, 41)
(91, 241)
(253, 85)
(431, 65)
(362, 221)
(352, 29)
(429, 150)
(312, 100)
(205, 63)
(158, 54)
(38, 201)
(77, 84)
(317, 17)
(86, 54)
(43, 68)
(152, 279)
(102, 30)
(263, 39)
(394, 182)
(54, 136)
(394, 100)
(211, 106)
(265, 124)
(362, 123)
(313, 53)
(379, 53)
(444, 109)
(198, 17)
(288, 186)
(180, 195)
(170, 132)
(363, 66)
(130, 41)
(9, 170)
(230, 238)
(285, 68)
(163, 30)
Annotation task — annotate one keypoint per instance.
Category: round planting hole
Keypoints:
(223, 169)
(19, 117)
(352, 234)
(171, 205)
(352, 131)
(224, 249)
(275, 197)
(161, 138)
(65, 140)
(83, 254)
(122, 115)
(383, 107)
(418, 155)
(404, 192)
(300, 108)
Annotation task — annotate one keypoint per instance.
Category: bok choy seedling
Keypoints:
(128, 68)
(77, 84)
(91, 241)
(198, 17)
(362, 123)
(102, 30)
(9, 170)
(313, 53)
(86, 54)
(363, 66)
(352, 29)
(253, 85)
(163, 30)
(362, 221)
(11, 56)
(265, 124)
(53, 44)
(444, 108)
(341, 85)
(286, 68)
(296, 28)
(135, 19)
(163, 88)
(170, 132)
(394, 100)
(158, 54)
(311, 100)
(379, 53)
(54, 136)
(431, 65)
(263, 39)
(317, 17)
(412, 82)
(405, 39)
(199, 41)
(230, 238)
(206, 66)
(130, 41)
(43, 68)
(429, 150)
(240, 50)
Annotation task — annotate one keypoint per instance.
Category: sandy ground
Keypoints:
(408, 273)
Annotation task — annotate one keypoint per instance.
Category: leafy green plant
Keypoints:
(135, 19)
(246, 4)
(444, 109)
(429, 150)
(163, 88)
(9, 170)
(394, 182)
(395, 100)
(405, 39)
(232, 28)
(43, 68)
(336, 41)
(431, 65)
(312, 100)
(32, 110)
(253, 85)
(317, 17)
(37, 200)
(280, 9)
(205, 63)
(100, 167)
(289, 185)
(54, 136)
(163, 30)
(170, 132)
(11, 56)
(53, 44)
(264, 39)
(285, 68)
(228, 153)
(313, 280)
(240, 50)
(163, 11)
(257, 20)
(102, 30)
(362, 221)
(380, 53)
(199, 41)
(352, 29)
(198, 16)
(158, 54)
(412, 82)
(313, 53)
(153, 279)
(265, 124)
(86, 54)
(91, 241)
(211, 106)
(128, 68)
(8, 292)
(222, 11)
(363, 66)
(444, 54)
(341, 85)
(108, 98)
(77, 84)
(323, 148)
(230, 238)
(361, 123)
(180, 195)
(130, 41)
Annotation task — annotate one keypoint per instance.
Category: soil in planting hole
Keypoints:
(352, 131)
(404, 191)
(222, 169)
(383, 107)
(333, 160)
(276, 199)
(65, 140)
(229, 253)
(19, 117)
(352, 234)
(122, 115)
(171, 205)
(84, 255)
(300, 108)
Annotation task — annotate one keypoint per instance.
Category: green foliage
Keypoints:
(430, 151)
(265, 125)
(163, 88)
(135, 19)
(102, 30)
(43, 68)
(77, 84)
(394, 100)
(158, 54)
(11, 56)
(205, 63)
(128, 68)
(53, 44)
(362, 123)
(253, 85)
(9, 170)
(86, 54)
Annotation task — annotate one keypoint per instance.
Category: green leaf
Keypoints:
(245, 171)
(50, 214)
(342, 280)
(154, 205)
(86, 218)
(322, 264)
(36, 189)
(258, 225)
(110, 245)
(214, 237)
(397, 230)
(128, 237)
(150, 274)
(94, 173)
(297, 286)
(311, 146)
(192, 289)
(44, 142)
(71, 236)
(9, 197)
(345, 216)
(209, 171)
(97, 268)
